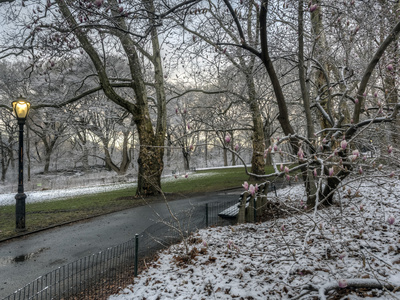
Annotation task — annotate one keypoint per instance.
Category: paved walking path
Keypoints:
(24, 259)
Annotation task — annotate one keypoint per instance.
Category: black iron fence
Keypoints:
(98, 275)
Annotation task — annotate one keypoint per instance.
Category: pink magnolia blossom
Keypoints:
(275, 147)
(313, 7)
(188, 126)
(283, 227)
(252, 189)
(390, 149)
(256, 187)
(296, 178)
(286, 170)
(98, 3)
(343, 144)
(391, 175)
(205, 244)
(191, 147)
(356, 153)
(265, 153)
(380, 167)
(342, 283)
(390, 67)
(360, 170)
(227, 139)
(300, 154)
(356, 101)
(330, 172)
(375, 94)
(281, 167)
(342, 255)
(391, 220)
(315, 172)
(288, 177)
(245, 185)
(186, 175)
(237, 147)
(230, 244)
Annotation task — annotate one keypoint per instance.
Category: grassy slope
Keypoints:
(45, 214)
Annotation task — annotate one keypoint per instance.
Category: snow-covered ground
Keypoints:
(318, 254)
(61, 194)
(50, 195)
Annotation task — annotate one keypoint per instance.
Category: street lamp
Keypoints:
(21, 109)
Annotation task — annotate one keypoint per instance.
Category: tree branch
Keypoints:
(371, 66)
(351, 283)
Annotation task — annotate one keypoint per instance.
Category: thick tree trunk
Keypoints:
(150, 163)
(47, 162)
(186, 156)
(257, 159)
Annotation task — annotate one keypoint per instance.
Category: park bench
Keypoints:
(249, 205)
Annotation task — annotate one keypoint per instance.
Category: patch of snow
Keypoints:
(305, 254)
(61, 194)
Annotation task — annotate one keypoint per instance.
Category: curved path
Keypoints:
(24, 259)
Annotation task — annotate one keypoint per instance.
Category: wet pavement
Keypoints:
(24, 259)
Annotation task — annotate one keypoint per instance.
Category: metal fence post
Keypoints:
(136, 253)
(206, 215)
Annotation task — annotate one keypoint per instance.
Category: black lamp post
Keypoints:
(21, 110)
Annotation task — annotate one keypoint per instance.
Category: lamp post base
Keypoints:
(20, 212)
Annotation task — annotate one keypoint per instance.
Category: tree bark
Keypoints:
(370, 68)
(151, 150)
(302, 74)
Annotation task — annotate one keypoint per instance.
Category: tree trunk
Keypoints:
(47, 161)
(232, 145)
(302, 76)
(186, 156)
(206, 149)
(3, 161)
(225, 154)
(85, 157)
(150, 162)
(257, 159)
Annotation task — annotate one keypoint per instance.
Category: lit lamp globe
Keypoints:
(21, 108)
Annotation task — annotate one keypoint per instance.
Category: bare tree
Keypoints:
(65, 28)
